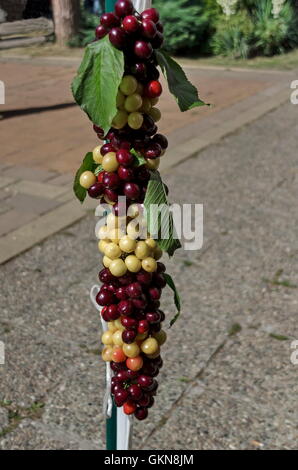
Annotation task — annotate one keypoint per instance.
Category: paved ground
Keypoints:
(228, 382)
(44, 137)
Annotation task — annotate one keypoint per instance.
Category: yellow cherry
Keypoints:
(109, 162)
(133, 264)
(87, 179)
(97, 156)
(112, 250)
(107, 338)
(117, 267)
(142, 250)
(149, 264)
(150, 346)
(131, 350)
(127, 244)
(152, 164)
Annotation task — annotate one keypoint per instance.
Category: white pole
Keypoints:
(124, 422)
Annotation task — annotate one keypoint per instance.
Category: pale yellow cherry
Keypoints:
(127, 244)
(146, 105)
(155, 114)
(133, 103)
(106, 261)
(103, 233)
(118, 324)
(117, 338)
(142, 250)
(135, 120)
(107, 353)
(120, 120)
(149, 264)
(157, 252)
(131, 350)
(150, 346)
(154, 101)
(97, 156)
(116, 234)
(112, 250)
(107, 338)
(120, 100)
(112, 327)
(161, 337)
(134, 210)
(152, 164)
(133, 264)
(117, 267)
(128, 85)
(151, 243)
(154, 355)
(87, 179)
(114, 222)
(135, 228)
(101, 245)
(109, 162)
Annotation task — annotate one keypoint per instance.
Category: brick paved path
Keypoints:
(44, 138)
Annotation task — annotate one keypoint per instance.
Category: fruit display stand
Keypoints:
(118, 87)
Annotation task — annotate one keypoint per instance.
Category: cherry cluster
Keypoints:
(134, 33)
(132, 278)
(131, 307)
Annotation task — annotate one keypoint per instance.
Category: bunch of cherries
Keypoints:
(132, 278)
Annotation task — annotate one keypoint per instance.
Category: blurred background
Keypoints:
(229, 380)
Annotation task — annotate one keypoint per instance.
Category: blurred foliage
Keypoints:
(186, 25)
(86, 33)
(253, 30)
(199, 27)
(233, 35)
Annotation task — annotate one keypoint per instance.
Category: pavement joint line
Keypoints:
(35, 188)
(182, 152)
(38, 230)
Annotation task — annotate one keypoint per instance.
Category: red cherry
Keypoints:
(100, 32)
(143, 49)
(124, 157)
(118, 37)
(100, 176)
(106, 148)
(129, 407)
(148, 29)
(125, 174)
(108, 20)
(143, 326)
(129, 322)
(153, 89)
(130, 24)
(150, 14)
(123, 8)
(157, 41)
(113, 312)
(141, 413)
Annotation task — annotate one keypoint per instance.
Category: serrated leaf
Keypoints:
(139, 159)
(183, 90)
(87, 164)
(96, 85)
(177, 301)
(163, 225)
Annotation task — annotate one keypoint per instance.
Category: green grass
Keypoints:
(287, 61)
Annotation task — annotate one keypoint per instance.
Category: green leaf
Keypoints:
(98, 170)
(162, 225)
(177, 301)
(185, 92)
(96, 85)
(139, 159)
(87, 164)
